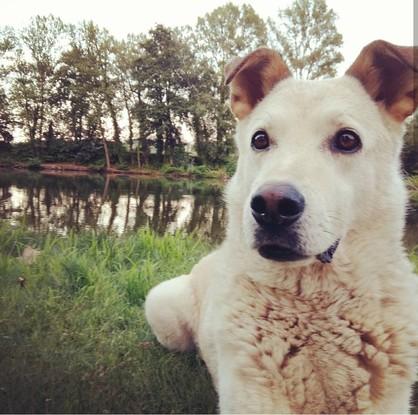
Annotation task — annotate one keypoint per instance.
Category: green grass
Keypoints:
(74, 338)
(412, 183)
(199, 172)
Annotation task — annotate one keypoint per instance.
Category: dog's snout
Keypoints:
(277, 204)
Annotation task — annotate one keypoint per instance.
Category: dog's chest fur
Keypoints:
(324, 350)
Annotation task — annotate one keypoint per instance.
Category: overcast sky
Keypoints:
(360, 21)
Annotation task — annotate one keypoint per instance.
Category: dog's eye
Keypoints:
(346, 141)
(260, 140)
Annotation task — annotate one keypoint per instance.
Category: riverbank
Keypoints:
(73, 333)
(189, 172)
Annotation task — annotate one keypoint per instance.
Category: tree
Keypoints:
(33, 83)
(99, 45)
(307, 38)
(203, 90)
(7, 45)
(226, 32)
(76, 86)
(5, 119)
(160, 77)
(89, 86)
(127, 54)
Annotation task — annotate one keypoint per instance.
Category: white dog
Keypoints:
(310, 305)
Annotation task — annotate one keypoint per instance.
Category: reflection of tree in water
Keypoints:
(55, 202)
(164, 211)
(141, 195)
(50, 202)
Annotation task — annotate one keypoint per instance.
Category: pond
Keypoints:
(63, 202)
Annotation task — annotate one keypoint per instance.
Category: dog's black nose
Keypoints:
(277, 204)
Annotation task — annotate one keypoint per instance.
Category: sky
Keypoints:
(360, 21)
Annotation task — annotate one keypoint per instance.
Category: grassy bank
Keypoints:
(72, 332)
(189, 171)
(412, 182)
(73, 337)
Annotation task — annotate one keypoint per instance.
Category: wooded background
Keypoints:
(76, 93)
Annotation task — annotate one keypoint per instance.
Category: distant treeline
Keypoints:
(75, 93)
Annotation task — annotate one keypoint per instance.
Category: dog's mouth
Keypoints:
(281, 253)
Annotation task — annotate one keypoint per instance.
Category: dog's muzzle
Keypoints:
(276, 208)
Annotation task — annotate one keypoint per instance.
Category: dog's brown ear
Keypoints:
(252, 78)
(389, 74)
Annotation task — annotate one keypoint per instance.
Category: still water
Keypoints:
(51, 202)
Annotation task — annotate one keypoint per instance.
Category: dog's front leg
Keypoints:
(170, 309)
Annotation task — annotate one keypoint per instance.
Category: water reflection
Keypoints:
(62, 202)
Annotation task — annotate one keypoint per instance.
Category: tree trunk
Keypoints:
(131, 136)
(113, 116)
(106, 151)
(160, 146)
(42, 111)
(138, 156)
(32, 135)
(199, 145)
(130, 127)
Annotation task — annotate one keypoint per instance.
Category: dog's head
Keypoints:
(317, 159)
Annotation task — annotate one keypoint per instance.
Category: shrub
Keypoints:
(167, 169)
(34, 163)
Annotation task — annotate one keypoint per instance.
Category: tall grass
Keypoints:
(73, 337)
(412, 183)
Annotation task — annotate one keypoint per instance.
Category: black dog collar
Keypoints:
(326, 257)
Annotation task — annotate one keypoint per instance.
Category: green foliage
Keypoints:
(7, 45)
(307, 38)
(163, 72)
(63, 83)
(198, 172)
(37, 55)
(6, 122)
(87, 152)
(410, 150)
(412, 182)
(20, 152)
(34, 163)
(219, 36)
(414, 258)
(74, 338)
(167, 169)
(226, 32)
(8, 41)
(231, 165)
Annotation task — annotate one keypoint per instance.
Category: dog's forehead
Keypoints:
(294, 100)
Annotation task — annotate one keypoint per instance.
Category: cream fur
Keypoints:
(307, 337)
